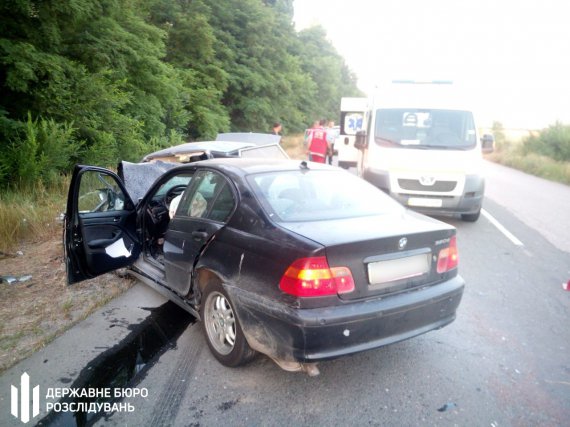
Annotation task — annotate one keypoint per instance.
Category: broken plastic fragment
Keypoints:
(447, 406)
(13, 279)
(566, 286)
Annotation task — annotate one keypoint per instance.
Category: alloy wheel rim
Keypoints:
(220, 323)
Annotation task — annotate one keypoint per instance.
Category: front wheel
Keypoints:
(222, 328)
(346, 164)
(471, 217)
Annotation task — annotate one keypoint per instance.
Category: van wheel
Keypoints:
(346, 165)
(222, 329)
(471, 217)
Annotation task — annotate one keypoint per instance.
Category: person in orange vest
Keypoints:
(318, 145)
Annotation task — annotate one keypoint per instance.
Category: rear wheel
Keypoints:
(222, 328)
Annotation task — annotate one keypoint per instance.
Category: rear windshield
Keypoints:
(319, 195)
(425, 129)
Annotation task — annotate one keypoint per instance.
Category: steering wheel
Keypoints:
(172, 193)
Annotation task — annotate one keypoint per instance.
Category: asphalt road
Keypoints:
(505, 361)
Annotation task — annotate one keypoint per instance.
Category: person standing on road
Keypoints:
(332, 133)
(318, 146)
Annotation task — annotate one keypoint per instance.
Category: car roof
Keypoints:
(225, 144)
(198, 147)
(247, 166)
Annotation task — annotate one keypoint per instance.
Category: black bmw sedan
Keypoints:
(300, 261)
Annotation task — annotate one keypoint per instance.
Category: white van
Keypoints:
(352, 119)
(421, 146)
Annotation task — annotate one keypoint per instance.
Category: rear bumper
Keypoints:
(311, 335)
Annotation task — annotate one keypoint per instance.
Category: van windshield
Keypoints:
(425, 129)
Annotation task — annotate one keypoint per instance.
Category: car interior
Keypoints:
(157, 218)
(211, 199)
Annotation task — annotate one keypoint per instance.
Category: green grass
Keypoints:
(513, 155)
(31, 212)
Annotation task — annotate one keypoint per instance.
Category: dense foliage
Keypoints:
(101, 80)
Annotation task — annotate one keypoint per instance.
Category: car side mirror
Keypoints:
(360, 140)
(487, 143)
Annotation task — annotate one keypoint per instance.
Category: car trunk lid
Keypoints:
(386, 253)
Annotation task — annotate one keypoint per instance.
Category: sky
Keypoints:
(510, 58)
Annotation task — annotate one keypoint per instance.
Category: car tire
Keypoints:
(222, 329)
(471, 217)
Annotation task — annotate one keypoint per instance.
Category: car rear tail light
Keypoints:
(448, 258)
(312, 277)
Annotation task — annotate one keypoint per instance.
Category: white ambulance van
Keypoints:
(420, 144)
(352, 119)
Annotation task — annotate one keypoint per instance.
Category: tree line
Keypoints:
(96, 81)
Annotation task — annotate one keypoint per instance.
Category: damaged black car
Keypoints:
(299, 261)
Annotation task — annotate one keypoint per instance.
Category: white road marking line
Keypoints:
(501, 228)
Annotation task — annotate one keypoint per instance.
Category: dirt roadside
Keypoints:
(35, 311)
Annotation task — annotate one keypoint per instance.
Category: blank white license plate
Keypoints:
(398, 269)
(425, 203)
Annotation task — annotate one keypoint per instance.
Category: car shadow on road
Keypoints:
(123, 365)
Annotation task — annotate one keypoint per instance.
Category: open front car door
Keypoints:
(100, 225)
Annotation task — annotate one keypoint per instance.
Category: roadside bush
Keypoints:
(553, 142)
(519, 155)
(39, 153)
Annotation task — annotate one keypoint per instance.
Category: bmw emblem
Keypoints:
(402, 243)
